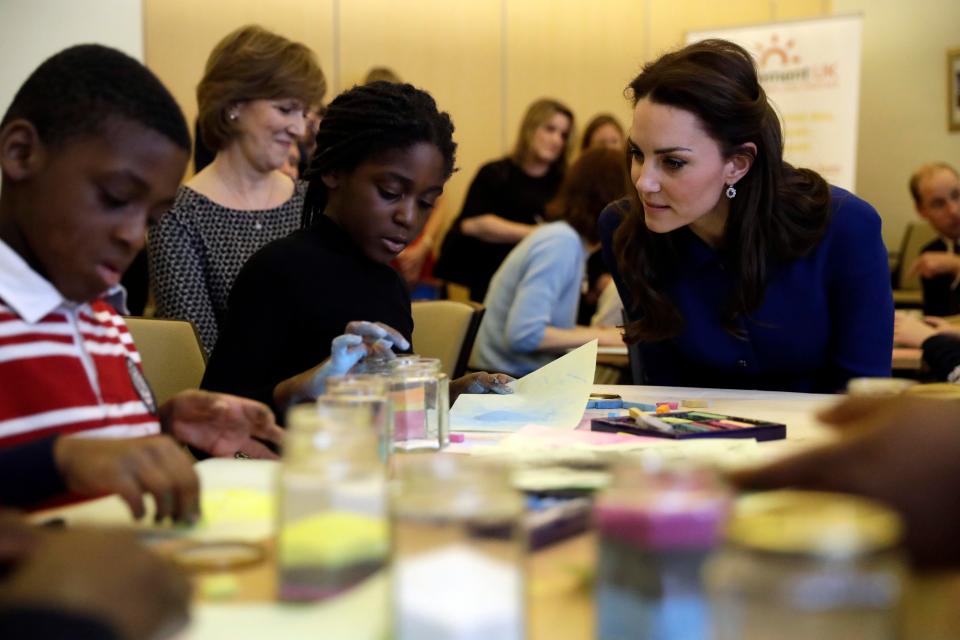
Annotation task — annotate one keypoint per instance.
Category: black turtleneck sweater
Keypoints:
(291, 299)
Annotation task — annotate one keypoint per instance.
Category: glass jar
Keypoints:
(655, 529)
(459, 550)
(333, 530)
(420, 396)
(809, 565)
(379, 365)
(373, 392)
(878, 387)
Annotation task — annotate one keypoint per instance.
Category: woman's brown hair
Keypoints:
(595, 179)
(778, 214)
(537, 113)
(252, 63)
(595, 123)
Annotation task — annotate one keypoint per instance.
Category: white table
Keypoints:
(559, 605)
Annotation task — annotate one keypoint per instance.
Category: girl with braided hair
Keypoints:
(384, 153)
(736, 269)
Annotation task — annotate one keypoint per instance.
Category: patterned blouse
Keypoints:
(198, 248)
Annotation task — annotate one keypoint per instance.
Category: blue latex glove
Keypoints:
(361, 339)
(345, 351)
(380, 337)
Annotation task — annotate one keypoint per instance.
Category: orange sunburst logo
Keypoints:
(774, 49)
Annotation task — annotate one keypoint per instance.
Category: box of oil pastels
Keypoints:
(681, 425)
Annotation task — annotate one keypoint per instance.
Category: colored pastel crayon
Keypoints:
(693, 427)
(708, 416)
(720, 424)
(655, 423)
(642, 406)
(735, 424)
(604, 404)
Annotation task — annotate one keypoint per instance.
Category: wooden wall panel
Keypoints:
(583, 54)
(451, 49)
(179, 35)
(674, 18)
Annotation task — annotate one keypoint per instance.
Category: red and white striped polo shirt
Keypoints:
(64, 367)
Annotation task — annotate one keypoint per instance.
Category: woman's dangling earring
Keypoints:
(731, 192)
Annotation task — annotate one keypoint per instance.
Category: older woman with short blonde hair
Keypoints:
(253, 98)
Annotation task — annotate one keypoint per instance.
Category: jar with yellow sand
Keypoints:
(333, 530)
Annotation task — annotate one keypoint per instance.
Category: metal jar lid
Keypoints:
(935, 390)
(813, 523)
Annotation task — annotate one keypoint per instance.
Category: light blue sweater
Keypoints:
(537, 286)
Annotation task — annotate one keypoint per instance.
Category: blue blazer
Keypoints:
(825, 317)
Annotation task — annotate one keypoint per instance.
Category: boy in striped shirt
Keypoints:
(92, 149)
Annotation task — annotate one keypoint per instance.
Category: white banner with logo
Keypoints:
(810, 70)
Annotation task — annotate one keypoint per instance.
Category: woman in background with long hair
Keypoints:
(507, 198)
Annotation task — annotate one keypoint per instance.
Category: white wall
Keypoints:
(33, 30)
(903, 103)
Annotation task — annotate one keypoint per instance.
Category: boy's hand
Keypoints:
(131, 467)
(221, 424)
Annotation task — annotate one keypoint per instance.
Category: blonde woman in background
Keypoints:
(256, 90)
(507, 198)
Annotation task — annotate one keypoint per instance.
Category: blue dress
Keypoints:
(825, 317)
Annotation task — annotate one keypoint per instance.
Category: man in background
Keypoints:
(935, 188)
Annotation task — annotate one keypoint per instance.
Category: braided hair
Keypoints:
(368, 120)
